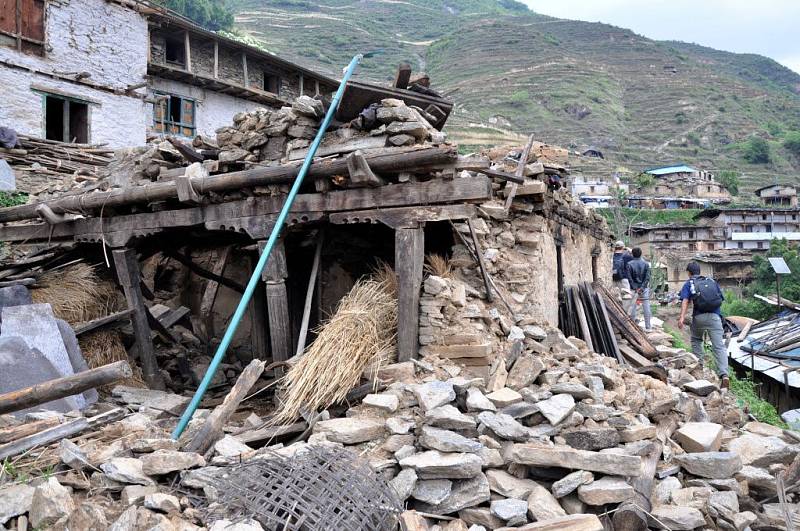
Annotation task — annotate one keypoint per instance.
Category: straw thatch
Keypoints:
(361, 333)
(105, 346)
(438, 265)
(76, 293)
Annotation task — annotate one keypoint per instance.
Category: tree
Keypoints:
(645, 180)
(211, 14)
(765, 277)
(730, 180)
(756, 151)
(792, 142)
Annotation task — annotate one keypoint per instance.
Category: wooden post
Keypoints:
(188, 45)
(312, 284)
(316, 87)
(409, 254)
(280, 328)
(258, 321)
(212, 288)
(216, 59)
(301, 84)
(244, 70)
(127, 266)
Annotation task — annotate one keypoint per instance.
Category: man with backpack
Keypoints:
(637, 271)
(706, 297)
(620, 259)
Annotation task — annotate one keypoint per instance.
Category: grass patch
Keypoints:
(677, 339)
(653, 217)
(746, 392)
(8, 199)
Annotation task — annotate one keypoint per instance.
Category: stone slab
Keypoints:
(565, 457)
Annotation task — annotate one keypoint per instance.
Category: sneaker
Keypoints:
(726, 382)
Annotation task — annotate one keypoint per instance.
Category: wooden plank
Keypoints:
(259, 334)
(12, 433)
(369, 142)
(360, 172)
(65, 386)
(633, 357)
(612, 335)
(479, 253)
(269, 433)
(211, 430)
(409, 255)
(312, 283)
(246, 82)
(280, 327)
(127, 266)
(100, 322)
(403, 76)
(404, 216)
(511, 188)
(212, 288)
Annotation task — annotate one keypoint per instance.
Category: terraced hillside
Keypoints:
(512, 72)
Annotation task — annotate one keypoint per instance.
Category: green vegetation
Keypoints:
(645, 180)
(653, 217)
(764, 276)
(730, 180)
(746, 393)
(677, 338)
(520, 96)
(756, 150)
(746, 307)
(8, 199)
(792, 142)
(211, 14)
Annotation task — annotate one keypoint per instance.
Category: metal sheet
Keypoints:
(779, 266)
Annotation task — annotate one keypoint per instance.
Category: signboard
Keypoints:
(779, 266)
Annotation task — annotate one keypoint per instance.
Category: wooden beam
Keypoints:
(301, 84)
(310, 289)
(127, 266)
(212, 288)
(244, 71)
(403, 76)
(259, 334)
(404, 216)
(187, 42)
(316, 87)
(62, 387)
(100, 322)
(487, 283)
(511, 188)
(280, 326)
(216, 59)
(409, 255)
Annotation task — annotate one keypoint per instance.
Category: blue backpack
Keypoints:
(706, 295)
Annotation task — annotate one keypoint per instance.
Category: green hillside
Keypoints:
(512, 72)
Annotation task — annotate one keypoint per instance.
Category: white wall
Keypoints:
(212, 109)
(95, 36)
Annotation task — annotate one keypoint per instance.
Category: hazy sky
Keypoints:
(766, 27)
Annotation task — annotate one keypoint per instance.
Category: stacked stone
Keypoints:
(557, 438)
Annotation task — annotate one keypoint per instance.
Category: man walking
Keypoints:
(638, 274)
(706, 298)
(619, 260)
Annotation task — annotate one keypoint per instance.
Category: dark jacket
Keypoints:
(637, 271)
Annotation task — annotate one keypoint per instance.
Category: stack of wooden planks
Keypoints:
(57, 159)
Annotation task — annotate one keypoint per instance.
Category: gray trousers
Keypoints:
(711, 323)
(644, 296)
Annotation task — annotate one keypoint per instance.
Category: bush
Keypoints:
(520, 96)
(730, 180)
(792, 142)
(745, 307)
(756, 151)
(211, 14)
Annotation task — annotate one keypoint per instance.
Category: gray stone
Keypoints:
(165, 503)
(524, 372)
(504, 426)
(87, 516)
(480, 517)
(466, 493)
(201, 478)
(569, 483)
(700, 387)
(151, 399)
(8, 179)
(165, 461)
(228, 446)
(477, 401)
(437, 465)
(240, 525)
(14, 501)
(15, 296)
(308, 106)
(434, 394)
(504, 397)
(520, 410)
(405, 451)
(566, 457)
(432, 491)
(662, 493)
(542, 505)
(637, 432)
(792, 418)
(126, 470)
(383, 402)
(51, 502)
(510, 510)
(606, 490)
(509, 486)
(404, 483)
(699, 437)
(756, 450)
(576, 390)
(557, 408)
(757, 479)
(351, 430)
(592, 439)
(76, 358)
(37, 325)
(415, 129)
(596, 412)
(134, 494)
(449, 417)
(724, 504)
(491, 458)
(744, 520)
(716, 465)
(676, 518)
(447, 441)
(21, 366)
(71, 455)
(398, 425)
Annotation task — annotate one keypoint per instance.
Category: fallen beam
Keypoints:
(62, 387)
(100, 322)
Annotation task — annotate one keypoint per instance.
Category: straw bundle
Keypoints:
(438, 265)
(361, 332)
(105, 346)
(76, 293)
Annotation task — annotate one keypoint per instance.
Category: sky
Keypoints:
(766, 27)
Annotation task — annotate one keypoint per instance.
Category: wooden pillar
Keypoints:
(258, 322)
(409, 254)
(301, 84)
(216, 59)
(244, 70)
(188, 46)
(129, 277)
(316, 87)
(280, 327)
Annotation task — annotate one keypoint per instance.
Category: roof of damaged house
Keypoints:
(666, 170)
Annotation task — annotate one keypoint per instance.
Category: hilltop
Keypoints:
(513, 72)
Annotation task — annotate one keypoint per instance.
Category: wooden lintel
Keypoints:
(404, 217)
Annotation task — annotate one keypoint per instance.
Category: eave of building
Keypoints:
(217, 85)
(764, 236)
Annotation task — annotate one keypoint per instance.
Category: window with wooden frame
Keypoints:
(272, 82)
(174, 115)
(22, 25)
(65, 119)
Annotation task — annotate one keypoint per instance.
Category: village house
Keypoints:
(678, 186)
(778, 195)
(595, 192)
(754, 228)
(685, 237)
(115, 71)
(730, 268)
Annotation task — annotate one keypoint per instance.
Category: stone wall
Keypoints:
(95, 36)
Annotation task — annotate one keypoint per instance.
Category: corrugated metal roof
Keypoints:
(666, 170)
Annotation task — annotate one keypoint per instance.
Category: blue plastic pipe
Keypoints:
(262, 261)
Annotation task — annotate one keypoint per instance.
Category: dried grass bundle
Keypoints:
(76, 293)
(438, 265)
(104, 347)
(361, 332)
